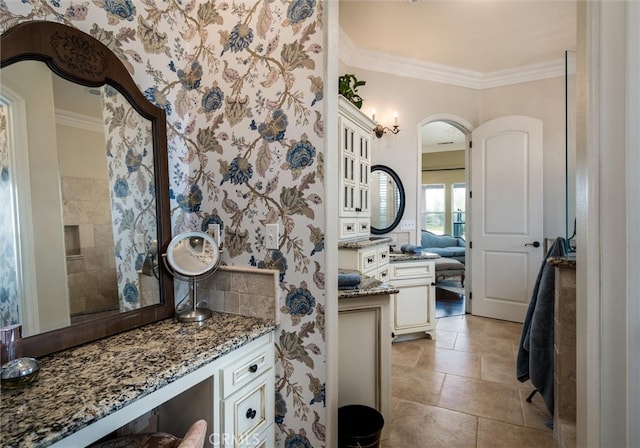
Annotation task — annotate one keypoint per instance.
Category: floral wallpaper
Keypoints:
(129, 149)
(241, 83)
(9, 300)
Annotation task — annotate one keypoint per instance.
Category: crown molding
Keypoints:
(81, 121)
(353, 56)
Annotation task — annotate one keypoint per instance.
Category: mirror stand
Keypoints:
(194, 314)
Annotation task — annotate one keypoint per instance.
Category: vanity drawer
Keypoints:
(348, 228)
(368, 259)
(248, 412)
(383, 274)
(418, 270)
(383, 255)
(244, 370)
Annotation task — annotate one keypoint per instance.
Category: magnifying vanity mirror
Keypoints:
(192, 256)
(387, 199)
(83, 191)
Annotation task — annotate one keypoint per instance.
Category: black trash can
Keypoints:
(359, 427)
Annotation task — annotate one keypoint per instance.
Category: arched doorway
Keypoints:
(443, 163)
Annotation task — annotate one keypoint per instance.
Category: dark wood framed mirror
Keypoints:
(387, 199)
(84, 61)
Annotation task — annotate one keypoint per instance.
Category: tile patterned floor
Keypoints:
(460, 390)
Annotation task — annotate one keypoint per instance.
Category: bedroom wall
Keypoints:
(415, 100)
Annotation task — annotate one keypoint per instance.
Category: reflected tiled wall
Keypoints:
(93, 285)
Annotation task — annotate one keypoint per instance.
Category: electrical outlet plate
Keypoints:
(272, 236)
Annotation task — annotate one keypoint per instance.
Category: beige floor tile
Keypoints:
(482, 398)
(535, 413)
(416, 384)
(503, 329)
(406, 353)
(451, 361)
(446, 339)
(494, 434)
(462, 324)
(421, 425)
(499, 368)
(484, 344)
(461, 390)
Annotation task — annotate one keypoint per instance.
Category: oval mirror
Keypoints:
(387, 199)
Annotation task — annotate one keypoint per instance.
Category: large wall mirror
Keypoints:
(387, 199)
(83, 184)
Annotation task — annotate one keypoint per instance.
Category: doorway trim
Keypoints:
(466, 128)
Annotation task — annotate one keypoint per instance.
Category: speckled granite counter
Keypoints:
(81, 385)
(359, 244)
(562, 262)
(368, 287)
(410, 257)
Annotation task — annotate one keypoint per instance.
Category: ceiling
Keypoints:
(478, 36)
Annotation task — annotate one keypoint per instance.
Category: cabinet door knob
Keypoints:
(433, 283)
(251, 413)
(253, 368)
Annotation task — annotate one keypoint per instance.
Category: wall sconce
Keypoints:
(380, 130)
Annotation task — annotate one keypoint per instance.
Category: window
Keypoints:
(433, 208)
(458, 197)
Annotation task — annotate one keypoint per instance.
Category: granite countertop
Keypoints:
(393, 257)
(562, 262)
(370, 242)
(79, 386)
(368, 287)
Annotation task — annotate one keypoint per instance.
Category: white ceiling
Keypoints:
(478, 35)
(475, 38)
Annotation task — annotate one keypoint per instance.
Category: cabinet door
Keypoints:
(249, 411)
(413, 307)
(349, 180)
(364, 169)
(360, 357)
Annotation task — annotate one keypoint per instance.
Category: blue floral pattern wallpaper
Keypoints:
(129, 149)
(9, 300)
(241, 83)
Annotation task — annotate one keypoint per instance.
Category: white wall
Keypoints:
(45, 190)
(415, 100)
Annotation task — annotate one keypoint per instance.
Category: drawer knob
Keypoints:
(251, 413)
(253, 368)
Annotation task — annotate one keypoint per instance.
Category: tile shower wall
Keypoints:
(91, 269)
(242, 86)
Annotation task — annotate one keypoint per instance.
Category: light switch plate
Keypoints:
(272, 236)
(408, 224)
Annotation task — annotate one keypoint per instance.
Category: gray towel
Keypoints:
(410, 249)
(535, 352)
(349, 280)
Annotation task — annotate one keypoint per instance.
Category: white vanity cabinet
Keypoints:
(355, 163)
(247, 405)
(371, 260)
(364, 363)
(414, 306)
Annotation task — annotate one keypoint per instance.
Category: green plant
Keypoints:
(348, 88)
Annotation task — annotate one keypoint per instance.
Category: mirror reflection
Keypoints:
(78, 201)
(192, 254)
(387, 199)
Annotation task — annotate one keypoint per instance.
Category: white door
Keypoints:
(506, 216)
